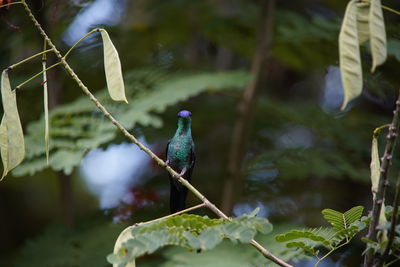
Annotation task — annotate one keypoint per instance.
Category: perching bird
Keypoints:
(181, 158)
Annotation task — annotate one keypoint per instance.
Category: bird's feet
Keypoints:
(183, 171)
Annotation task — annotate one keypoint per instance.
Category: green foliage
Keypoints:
(87, 245)
(189, 231)
(229, 254)
(344, 227)
(393, 46)
(379, 246)
(341, 221)
(296, 33)
(77, 127)
(336, 148)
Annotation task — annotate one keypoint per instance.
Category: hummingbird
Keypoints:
(180, 157)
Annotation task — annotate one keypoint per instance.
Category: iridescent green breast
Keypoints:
(179, 152)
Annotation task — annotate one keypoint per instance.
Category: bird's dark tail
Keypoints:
(177, 200)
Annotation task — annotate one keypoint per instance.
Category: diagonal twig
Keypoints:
(131, 137)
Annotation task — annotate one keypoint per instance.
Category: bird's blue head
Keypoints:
(184, 114)
(184, 122)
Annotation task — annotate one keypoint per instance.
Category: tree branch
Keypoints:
(393, 223)
(120, 127)
(12, 3)
(36, 75)
(383, 181)
(13, 66)
(174, 214)
(80, 40)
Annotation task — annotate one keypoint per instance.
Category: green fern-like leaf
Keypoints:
(307, 234)
(341, 221)
(188, 231)
(344, 227)
(347, 233)
(335, 218)
(307, 248)
(353, 214)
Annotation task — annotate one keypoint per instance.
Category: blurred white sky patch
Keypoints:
(246, 208)
(110, 174)
(100, 12)
(332, 97)
(295, 137)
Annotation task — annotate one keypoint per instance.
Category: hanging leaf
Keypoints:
(349, 53)
(375, 165)
(112, 66)
(12, 137)
(46, 110)
(383, 222)
(377, 34)
(363, 22)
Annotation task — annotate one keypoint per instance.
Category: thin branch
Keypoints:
(159, 161)
(393, 261)
(384, 7)
(80, 40)
(331, 251)
(378, 130)
(174, 214)
(391, 10)
(383, 181)
(36, 75)
(13, 66)
(12, 3)
(392, 231)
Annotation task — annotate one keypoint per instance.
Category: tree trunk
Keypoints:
(246, 108)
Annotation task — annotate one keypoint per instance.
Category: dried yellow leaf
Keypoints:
(11, 136)
(349, 53)
(377, 34)
(112, 66)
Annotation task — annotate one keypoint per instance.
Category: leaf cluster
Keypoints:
(363, 21)
(295, 35)
(229, 254)
(379, 246)
(189, 231)
(344, 227)
(336, 147)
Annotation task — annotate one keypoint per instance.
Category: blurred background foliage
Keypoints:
(304, 154)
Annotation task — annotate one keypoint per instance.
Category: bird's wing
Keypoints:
(192, 161)
(166, 149)
(192, 157)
